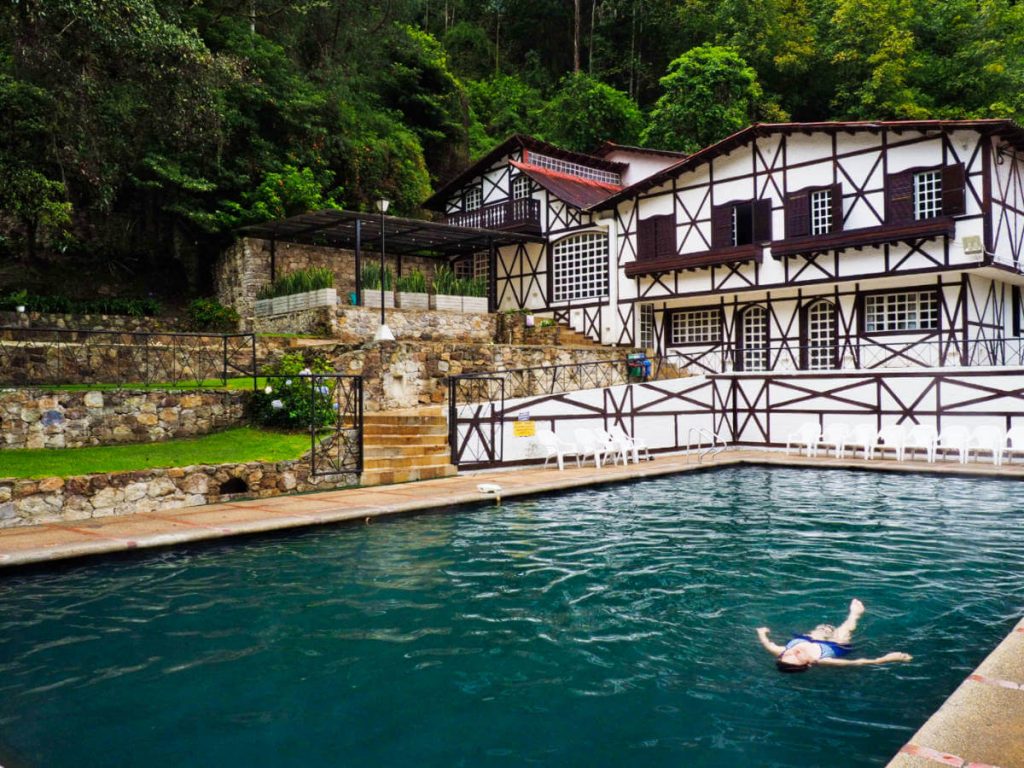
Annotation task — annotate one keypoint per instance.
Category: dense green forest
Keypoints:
(136, 134)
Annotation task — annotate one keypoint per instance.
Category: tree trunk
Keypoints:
(576, 37)
(590, 51)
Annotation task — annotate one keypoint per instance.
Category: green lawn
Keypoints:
(235, 445)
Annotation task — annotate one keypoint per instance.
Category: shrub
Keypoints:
(211, 315)
(471, 286)
(294, 397)
(412, 282)
(312, 279)
(370, 277)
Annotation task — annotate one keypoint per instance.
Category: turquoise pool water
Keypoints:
(610, 627)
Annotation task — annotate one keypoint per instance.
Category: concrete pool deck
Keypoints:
(980, 726)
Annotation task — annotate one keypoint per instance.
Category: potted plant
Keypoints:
(446, 296)
(304, 289)
(474, 294)
(370, 280)
(412, 291)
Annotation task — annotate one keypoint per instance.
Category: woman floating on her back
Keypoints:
(825, 645)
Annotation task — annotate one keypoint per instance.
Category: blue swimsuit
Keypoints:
(829, 650)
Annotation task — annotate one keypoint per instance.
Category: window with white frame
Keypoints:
(647, 326)
(476, 265)
(474, 198)
(579, 267)
(909, 311)
(927, 195)
(696, 326)
(520, 187)
(821, 336)
(821, 212)
(754, 339)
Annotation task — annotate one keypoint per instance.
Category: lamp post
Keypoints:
(383, 333)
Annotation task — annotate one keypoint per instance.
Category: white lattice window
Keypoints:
(754, 339)
(574, 169)
(481, 264)
(579, 267)
(474, 198)
(910, 311)
(821, 212)
(463, 268)
(697, 326)
(647, 326)
(821, 336)
(927, 195)
(520, 187)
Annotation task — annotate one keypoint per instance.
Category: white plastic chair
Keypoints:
(892, 437)
(1015, 438)
(956, 438)
(588, 444)
(554, 446)
(836, 436)
(922, 436)
(633, 444)
(806, 436)
(865, 437)
(612, 446)
(992, 439)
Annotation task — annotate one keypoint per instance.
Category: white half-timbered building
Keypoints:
(784, 247)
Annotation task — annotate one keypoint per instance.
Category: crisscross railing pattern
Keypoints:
(56, 356)
(335, 423)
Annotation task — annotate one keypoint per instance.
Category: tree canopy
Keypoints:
(136, 134)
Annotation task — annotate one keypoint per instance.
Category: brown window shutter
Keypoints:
(798, 214)
(837, 207)
(899, 197)
(646, 240)
(666, 226)
(721, 226)
(762, 221)
(953, 190)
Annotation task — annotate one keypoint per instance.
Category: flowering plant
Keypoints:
(295, 397)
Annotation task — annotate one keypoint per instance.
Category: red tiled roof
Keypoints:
(576, 191)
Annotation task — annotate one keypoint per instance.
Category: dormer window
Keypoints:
(473, 199)
(919, 194)
(741, 223)
(521, 187)
(814, 211)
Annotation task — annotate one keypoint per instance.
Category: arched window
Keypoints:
(752, 340)
(579, 267)
(819, 348)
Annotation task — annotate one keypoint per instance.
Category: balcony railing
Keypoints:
(521, 215)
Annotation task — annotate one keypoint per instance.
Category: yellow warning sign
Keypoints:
(524, 428)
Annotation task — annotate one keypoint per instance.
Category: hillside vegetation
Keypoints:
(136, 134)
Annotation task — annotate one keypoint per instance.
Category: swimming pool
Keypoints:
(606, 627)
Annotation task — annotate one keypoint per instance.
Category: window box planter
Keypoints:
(413, 300)
(446, 303)
(474, 304)
(371, 298)
(297, 302)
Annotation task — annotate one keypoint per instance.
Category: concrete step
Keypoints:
(422, 430)
(389, 476)
(386, 419)
(404, 462)
(402, 451)
(413, 441)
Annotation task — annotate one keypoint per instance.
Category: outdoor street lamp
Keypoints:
(383, 333)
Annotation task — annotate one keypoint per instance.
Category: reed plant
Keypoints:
(369, 278)
(302, 281)
(412, 282)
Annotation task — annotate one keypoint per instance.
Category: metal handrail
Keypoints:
(717, 444)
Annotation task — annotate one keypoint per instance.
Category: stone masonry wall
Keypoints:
(54, 499)
(92, 322)
(31, 418)
(244, 269)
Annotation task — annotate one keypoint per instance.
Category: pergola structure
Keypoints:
(355, 231)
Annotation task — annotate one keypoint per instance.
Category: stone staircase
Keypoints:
(400, 446)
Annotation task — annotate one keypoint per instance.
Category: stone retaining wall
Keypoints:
(32, 418)
(54, 499)
(93, 322)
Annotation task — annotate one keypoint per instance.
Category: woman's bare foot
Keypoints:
(856, 607)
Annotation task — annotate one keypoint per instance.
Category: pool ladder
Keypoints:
(716, 444)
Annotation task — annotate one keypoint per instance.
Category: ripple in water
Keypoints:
(603, 627)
